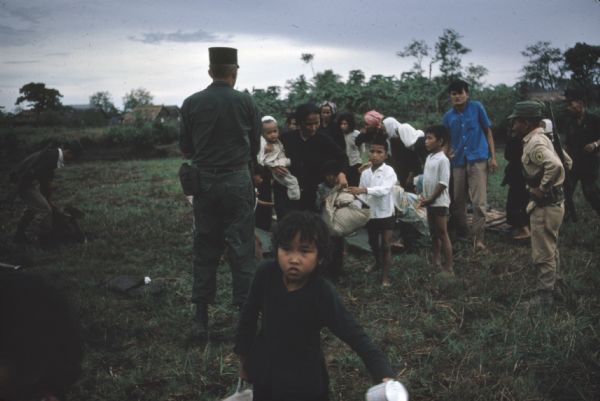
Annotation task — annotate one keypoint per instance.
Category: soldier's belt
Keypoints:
(554, 196)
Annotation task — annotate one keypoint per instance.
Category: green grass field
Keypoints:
(467, 339)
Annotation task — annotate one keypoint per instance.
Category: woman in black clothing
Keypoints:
(518, 196)
(308, 151)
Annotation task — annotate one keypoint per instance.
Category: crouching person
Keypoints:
(284, 359)
(34, 185)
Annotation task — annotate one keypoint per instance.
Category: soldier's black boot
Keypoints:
(200, 322)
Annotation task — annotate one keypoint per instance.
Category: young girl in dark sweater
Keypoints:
(283, 358)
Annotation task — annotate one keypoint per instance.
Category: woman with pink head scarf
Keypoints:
(407, 145)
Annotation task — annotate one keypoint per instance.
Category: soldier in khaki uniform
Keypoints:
(544, 174)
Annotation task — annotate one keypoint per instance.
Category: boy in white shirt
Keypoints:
(375, 188)
(272, 154)
(436, 178)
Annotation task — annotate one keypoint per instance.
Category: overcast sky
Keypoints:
(81, 47)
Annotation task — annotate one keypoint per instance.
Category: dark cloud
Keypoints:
(15, 37)
(180, 37)
(57, 54)
(22, 62)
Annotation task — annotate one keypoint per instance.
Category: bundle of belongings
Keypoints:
(344, 213)
(408, 210)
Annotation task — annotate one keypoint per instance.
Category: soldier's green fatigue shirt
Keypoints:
(541, 163)
(220, 129)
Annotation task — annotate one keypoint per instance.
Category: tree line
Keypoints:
(415, 96)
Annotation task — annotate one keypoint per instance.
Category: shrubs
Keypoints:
(141, 135)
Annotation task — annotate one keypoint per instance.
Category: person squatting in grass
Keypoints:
(375, 188)
(283, 359)
(34, 184)
(436, 178)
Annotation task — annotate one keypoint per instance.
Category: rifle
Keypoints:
(547, 99)
(556, 143)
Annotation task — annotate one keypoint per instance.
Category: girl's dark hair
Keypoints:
(349, 118)
(311, 228)
(439, 132)
(331, 167)
(304, 110)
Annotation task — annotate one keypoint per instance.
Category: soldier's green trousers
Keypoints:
(223, 215)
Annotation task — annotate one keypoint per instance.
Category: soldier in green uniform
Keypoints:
(220, 130)
(545, 175)
(583, 145)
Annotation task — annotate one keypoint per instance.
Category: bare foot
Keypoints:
(448, 269)
(523, 233)
(398, 245)
(371, 268)
(479, 247)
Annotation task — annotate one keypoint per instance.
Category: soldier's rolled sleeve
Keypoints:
(549, 161)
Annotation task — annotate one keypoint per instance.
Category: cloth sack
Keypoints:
(407, 205)
(240, 395)
(342, 214)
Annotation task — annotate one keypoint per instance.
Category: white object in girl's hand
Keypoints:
(391, 390)
(240, 395)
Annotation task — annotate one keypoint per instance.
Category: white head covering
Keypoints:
(548, 126)
(267, 119)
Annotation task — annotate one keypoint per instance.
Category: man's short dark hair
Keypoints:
(458, 86)
(221, 71)
(439, 132)
(311, 228)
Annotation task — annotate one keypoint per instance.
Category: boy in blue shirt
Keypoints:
(474, 153)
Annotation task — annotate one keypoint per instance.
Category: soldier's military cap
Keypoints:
(222, 55)
(527, 109)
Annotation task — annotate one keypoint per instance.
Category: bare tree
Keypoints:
(417, 49)
(308, 59)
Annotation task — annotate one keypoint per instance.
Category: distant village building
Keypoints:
(85, 115)
(153, 114)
